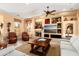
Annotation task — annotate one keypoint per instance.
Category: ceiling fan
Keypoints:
(49, 12)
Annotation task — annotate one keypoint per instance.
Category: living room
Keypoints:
(39, 29)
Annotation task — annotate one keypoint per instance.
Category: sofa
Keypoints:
(70, 47)
(11, 51)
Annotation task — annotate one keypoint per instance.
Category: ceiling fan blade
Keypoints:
(46, 15)
(53, 11)
(44, 11)
(53, 14)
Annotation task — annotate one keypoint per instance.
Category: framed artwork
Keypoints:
(38, 24)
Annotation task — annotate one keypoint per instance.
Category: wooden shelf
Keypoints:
(56, 28)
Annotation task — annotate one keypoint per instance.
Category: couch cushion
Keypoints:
(66, 45)
(73, 39)
(7, 50)
(67, 52)
(67, 49)
(75, 42)
(16, 53)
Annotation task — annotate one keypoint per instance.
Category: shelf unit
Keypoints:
(38, 27)
(53, 28)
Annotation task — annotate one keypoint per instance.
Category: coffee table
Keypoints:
(40, 47)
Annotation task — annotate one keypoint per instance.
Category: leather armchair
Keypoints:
(25, 36)
(12, 37)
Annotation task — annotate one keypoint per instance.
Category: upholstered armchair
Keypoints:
(25, 36)
(12, 37)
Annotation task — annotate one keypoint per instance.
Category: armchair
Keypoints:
(12, 37)
(25, 36)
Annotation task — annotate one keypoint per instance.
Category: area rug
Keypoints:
(54, 49)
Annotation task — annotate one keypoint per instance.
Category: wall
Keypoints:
(5, 18)
(78, 23)
(1, 21)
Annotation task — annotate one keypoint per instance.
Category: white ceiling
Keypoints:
(33, 9)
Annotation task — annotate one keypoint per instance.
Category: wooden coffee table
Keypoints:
(40, 47)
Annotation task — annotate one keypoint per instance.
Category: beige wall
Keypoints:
(5, 18)
(78, 23)
(1, 21)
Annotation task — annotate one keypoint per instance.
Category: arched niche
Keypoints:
(69, 28)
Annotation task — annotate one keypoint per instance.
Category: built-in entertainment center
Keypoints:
(52, 27)
(56, 26)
